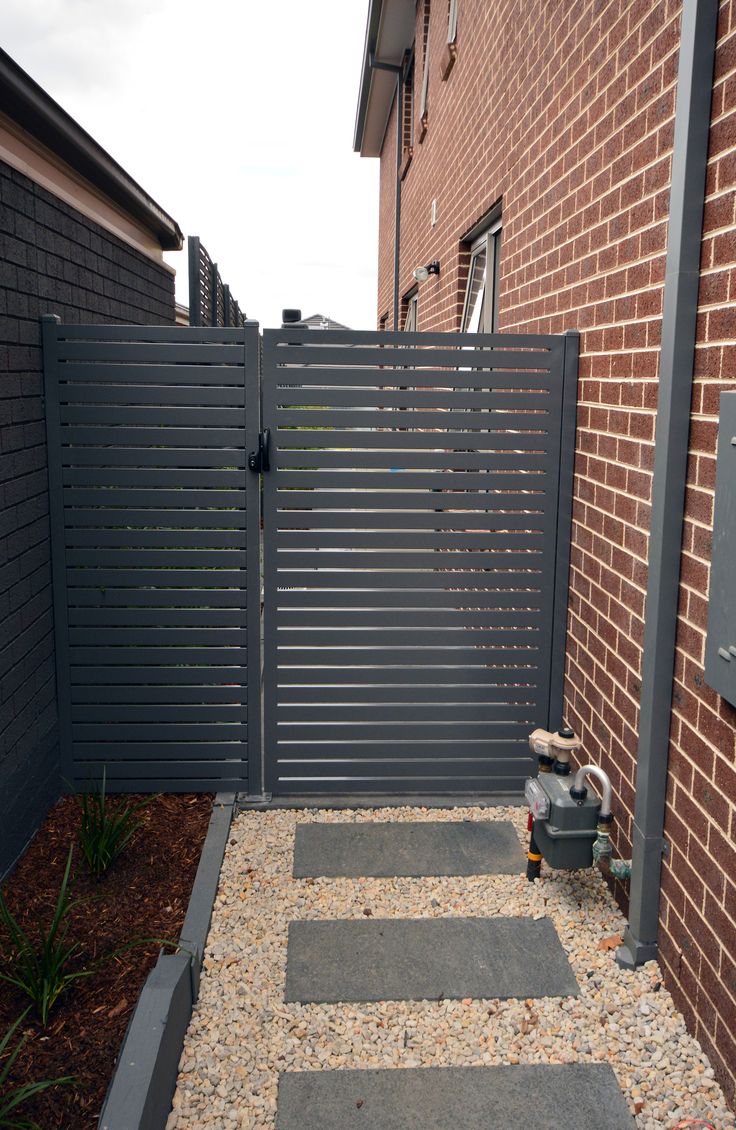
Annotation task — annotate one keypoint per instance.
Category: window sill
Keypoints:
(448, 60)
(423, 127)
(406, 161)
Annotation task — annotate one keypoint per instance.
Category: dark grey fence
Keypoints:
(416, 522)
(416, 517)
(210, 300)
(155, 538)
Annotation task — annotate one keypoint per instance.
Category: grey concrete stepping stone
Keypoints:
(464, 847)
(425, 959)
(579, 1096)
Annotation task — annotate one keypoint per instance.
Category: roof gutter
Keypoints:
(371, 40)
(677, 353)
(35, 111)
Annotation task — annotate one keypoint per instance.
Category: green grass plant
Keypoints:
(41, 971)
(12, 1098)
(106, 830)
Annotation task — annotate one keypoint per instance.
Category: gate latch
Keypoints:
(258, 460)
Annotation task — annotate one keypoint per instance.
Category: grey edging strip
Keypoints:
(142, 1087)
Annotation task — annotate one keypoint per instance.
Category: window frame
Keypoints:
(486, 236)
(411, 301)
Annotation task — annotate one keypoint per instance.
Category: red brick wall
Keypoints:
(565, 113)
(699, 881)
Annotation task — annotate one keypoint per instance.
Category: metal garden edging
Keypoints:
(142, 1086)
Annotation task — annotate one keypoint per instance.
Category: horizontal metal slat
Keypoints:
(377, 580)
(108, 457)
(173, 558)
(192, 732)
(407, 596)
(388, 756)
(288, 396)
(143, 353)
(430, 655)
(212, 395)
(194, 712)
(533, 440)
(461, 713)
(69, 332)
(515, 491)
(345, 540)
(411, 358)
(471, 421)
(409, 674)
(148, 477)
(162, 578)
(156, 617)
(504, 469)
(355, 520)
(79, 435)
(108, 695)
(358, 339)
(164, 656)
(160, 637)
(378, 695)
(408, 619)
(155, 504)
(449, 734)
(205, 777)
(215, 518)
(149, 539)
(431, 637)
(123, 757)
(398, 499)
(218, 374)
(134, 598)
(118, 416)
(297, 566)
(90, 675)
(356, 380)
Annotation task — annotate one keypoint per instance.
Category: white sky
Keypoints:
(237, 117)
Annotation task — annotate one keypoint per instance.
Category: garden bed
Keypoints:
(144, 895)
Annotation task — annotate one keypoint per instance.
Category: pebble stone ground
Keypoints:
(242, 1034)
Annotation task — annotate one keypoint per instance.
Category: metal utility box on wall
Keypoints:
(720, 644)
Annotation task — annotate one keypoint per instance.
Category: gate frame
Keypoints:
(569, 368)
(252, 760)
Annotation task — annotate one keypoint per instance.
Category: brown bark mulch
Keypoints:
(143, 895)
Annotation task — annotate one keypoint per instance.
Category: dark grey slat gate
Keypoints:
(416, 519)
(155, 531)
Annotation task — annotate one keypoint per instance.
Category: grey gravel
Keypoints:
(242, 1034)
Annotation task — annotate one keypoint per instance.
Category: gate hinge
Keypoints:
(258, 460)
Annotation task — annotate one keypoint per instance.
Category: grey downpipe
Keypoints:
(682, 279)
(398, 70)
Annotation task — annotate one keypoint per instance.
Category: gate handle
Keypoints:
(258, 460)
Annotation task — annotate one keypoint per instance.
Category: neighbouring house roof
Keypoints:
(389, 34)
(321, 322)
(27, 106)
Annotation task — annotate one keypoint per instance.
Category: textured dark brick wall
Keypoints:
(52, 260)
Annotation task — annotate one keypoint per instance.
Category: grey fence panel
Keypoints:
(156, 553)
(416, 546)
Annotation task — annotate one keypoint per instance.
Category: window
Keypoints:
(448, 59)
(412, 305)
(451, 21)
(424, 104)
(480, 311)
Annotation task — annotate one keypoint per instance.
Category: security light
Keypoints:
(421, 274)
